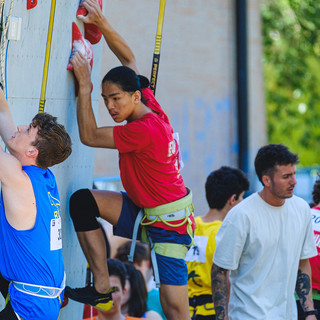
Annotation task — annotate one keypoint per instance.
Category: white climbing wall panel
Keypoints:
(25, 62)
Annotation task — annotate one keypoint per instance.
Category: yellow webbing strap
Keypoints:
(171, 206)
(203, 310)
(172, 250)
(7, 300)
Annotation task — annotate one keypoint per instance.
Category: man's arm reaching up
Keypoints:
(7, 126)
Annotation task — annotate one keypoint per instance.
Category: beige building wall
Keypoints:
(196, 80)
(256, 97)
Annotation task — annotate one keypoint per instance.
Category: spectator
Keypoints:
(266, 241)
(117, 274)
(142, 263)
(315, 261)
(225, 188)
(135, 301)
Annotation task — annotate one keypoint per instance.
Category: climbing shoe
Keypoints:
(89, 295)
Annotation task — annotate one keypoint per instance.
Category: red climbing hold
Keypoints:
(82, 11)
(91, 32)
(31, 4)
(81, 45)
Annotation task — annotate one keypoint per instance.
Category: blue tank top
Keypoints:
(34, 256)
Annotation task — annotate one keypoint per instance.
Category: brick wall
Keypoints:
(196, 80)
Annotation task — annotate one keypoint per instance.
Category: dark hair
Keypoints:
(221, 184)
(137, 303)
(271, 155)
(126, 79)
(141, 252)
(116, 268)
(53, 142)
(316, 192)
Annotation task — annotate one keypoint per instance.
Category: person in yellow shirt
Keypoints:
(225, 188)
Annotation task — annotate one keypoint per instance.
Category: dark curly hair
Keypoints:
(271, 155)
(53, 142)
(221, 184)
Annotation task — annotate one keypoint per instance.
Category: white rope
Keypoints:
(3, 45)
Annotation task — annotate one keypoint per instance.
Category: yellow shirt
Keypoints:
(199, 258)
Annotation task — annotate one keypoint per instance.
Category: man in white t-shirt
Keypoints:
(266, 241)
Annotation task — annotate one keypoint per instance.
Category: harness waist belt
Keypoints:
(167, 213)
(170, 207)
(178, 215)
(38, 290)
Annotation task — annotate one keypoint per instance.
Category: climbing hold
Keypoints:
(91, 32)
(82, 11)
(81, 45)
(31, 4)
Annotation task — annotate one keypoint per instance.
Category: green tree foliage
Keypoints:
(291, 35)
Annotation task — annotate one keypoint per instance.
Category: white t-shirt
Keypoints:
(262, 246)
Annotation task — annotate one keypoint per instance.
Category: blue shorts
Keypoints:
(172, 271)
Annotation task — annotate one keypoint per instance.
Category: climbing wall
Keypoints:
(25, 62)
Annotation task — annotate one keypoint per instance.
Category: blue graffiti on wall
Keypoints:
(207, 131)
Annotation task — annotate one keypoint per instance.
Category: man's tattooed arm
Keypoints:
(219, 286)
(303, 286)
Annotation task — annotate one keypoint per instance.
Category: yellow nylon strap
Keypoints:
(144, 236)
(203, 310)
(172, 250)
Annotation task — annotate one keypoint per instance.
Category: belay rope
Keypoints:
(157, 47)
(47, 58)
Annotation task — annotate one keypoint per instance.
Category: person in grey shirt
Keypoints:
(266, 241)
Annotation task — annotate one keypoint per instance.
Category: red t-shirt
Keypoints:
(149, 159)
(315, 261)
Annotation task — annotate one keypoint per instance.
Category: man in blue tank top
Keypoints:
(30, 222)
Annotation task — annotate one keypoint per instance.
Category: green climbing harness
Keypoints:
(178, 210)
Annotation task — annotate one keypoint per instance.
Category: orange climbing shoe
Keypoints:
(89, 295)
